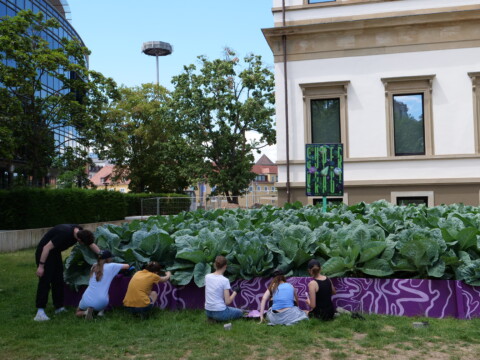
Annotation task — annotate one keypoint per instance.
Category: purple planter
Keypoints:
(405, 297)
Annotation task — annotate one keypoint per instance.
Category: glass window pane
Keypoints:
(408, 123)
(412, 200)
(325, 121)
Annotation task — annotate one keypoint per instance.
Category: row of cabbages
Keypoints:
(364, 240)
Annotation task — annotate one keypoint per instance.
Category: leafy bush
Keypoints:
(376, 240)
(26, 208)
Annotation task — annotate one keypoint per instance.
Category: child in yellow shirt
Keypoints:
(140, 298)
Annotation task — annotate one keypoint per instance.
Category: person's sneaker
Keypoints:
(41, 317)
(60, 310)
(101, 313)
(89, 314)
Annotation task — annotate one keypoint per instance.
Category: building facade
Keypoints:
(59, 10)
(261, 190)
(395, 81)
(105, 179)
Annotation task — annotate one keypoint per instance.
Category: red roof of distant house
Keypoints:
(104, 177)
(264, 160)
(262, 169)
(264, 166)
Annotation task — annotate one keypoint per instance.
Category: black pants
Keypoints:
(52, 278)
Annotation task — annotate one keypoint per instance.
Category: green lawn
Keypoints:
(186, 334)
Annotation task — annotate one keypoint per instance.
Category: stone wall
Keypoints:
(13, 240)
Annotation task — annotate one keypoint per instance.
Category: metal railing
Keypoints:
(175, 205)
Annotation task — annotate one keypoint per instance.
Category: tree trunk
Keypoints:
(231, 199)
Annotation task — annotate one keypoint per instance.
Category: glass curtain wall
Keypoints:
(63, 137)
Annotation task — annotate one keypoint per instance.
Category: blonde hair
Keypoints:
(275, 282)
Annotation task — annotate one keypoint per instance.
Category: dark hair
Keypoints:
(86, 237)
(153, 267)
(314, 267)
(220, 262)
(105, 254)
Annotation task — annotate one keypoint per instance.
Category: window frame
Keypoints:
(319, 1)
(430, 195)
(315, 199)
(395, 125)
(325, 91)
(407, 86)
(475, 77)
(423, 198)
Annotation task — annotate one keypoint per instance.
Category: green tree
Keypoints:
(409, 131)
(222, 102)
(148, 146)
(72, 166)
(29, 114)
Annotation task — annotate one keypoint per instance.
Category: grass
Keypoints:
(187, 335)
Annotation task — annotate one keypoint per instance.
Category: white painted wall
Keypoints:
(451, 98)
(405, 170)
(397, 170)
(310, 13)
(278, 3)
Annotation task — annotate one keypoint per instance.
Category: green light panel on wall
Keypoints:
(324, 169)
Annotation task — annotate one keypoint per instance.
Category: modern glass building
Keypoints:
(59, 10)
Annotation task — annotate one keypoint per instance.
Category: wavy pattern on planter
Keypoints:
(402, 297)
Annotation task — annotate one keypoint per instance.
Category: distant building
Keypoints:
(104, 180)
(96, 166)
(261, 191)
(59, 10)
(396, 82)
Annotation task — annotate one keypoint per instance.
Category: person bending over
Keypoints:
(283, 310)
(217, 294)
(95, 296)
(140, 298)
(50, 265)
(320, 291)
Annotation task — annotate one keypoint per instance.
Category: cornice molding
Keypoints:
(396, 182)
(332, 38)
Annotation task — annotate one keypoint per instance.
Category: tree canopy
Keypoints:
(31, 113)
(220, 103)
(148, 145)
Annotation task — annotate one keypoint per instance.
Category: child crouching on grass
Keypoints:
(140, 298)
(101, 276)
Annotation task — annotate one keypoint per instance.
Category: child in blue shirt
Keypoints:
(95, 296)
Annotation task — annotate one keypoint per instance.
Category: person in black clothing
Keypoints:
(50, 265)
(320, 291)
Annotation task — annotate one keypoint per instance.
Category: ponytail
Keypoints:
(97, 269)
(314, 271)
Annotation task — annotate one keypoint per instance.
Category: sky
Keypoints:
(114, 31)
(414, 103)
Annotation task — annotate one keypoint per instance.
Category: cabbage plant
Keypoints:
(363, 240)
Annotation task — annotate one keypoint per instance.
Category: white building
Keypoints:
(394, 81)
